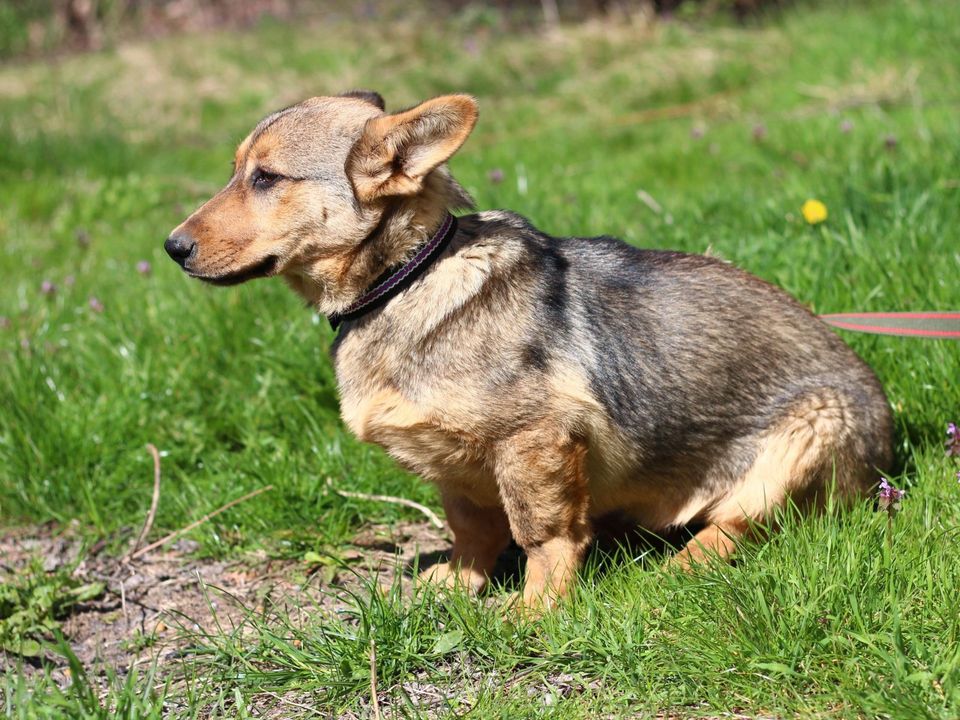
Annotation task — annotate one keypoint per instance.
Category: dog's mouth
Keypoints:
(264, 268)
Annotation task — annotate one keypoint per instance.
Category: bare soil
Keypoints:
(152, 606)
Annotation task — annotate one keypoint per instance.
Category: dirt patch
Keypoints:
(158, 608)
(151, 607)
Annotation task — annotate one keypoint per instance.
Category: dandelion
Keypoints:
(814, 212)
(953, 440)
(96, 305)
(495, 176)
(48, 288)
(144, 268)
(890, 497)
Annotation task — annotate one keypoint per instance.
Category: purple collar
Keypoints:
(399, 278)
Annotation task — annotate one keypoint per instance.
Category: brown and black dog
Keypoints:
(543, 383)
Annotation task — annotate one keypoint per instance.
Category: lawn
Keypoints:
(694, 135)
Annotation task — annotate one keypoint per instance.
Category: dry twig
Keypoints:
(431, 515)
(291, 703)
(148, 523)
(373, 680)
(177, 533)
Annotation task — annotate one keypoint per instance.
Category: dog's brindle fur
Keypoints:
(543, 383)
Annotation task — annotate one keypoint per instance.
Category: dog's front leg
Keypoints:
(543, 484)
(480, 534)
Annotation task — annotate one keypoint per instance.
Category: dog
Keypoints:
(546, 385)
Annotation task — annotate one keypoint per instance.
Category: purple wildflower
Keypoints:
(96, 305)
(495, 176)
(890, 496)
(83, 238)
(846, 127)
(69, 280)
(953, 440)
(697, 132)
(48, 288)
(759, 132)
(144, 268)
(890, 142)
(4, 322)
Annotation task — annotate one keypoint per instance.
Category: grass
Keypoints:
(728, 128)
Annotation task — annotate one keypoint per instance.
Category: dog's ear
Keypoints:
(374, 98)
(395, 152)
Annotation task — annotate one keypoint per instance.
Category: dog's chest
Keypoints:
(442, 444)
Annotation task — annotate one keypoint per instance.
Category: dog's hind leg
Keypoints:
(815, 448)
(713, 541)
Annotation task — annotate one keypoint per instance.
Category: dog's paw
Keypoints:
(518, 606)
(451, 576)
(683, 561)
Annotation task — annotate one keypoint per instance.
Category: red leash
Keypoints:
(910, 324)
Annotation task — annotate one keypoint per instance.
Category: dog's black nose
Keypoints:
(180, 246)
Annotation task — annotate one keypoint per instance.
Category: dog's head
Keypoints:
(312, 184)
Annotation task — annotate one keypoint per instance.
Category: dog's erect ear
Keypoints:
(395, 152)
(374, 98)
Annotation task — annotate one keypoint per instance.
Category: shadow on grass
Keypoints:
(615, 540)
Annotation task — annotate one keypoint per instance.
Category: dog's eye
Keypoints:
(263, 179)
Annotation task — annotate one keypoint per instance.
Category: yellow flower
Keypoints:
(814, 211)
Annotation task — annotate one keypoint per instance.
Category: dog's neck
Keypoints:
(332, 283)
